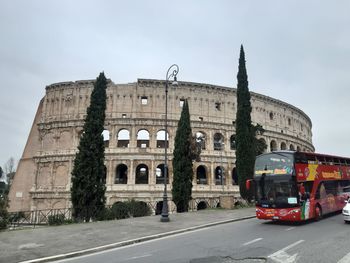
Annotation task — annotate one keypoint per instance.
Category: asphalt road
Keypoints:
(250, 240)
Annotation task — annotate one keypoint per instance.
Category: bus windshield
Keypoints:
(275, 181)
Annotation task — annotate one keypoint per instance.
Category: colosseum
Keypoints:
(135, 138)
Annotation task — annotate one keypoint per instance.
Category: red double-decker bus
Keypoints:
(297, 186)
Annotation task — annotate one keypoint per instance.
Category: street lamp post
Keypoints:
(171, 73)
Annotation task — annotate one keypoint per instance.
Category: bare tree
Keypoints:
(10, 168)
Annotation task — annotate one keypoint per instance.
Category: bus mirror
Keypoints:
(247, 184)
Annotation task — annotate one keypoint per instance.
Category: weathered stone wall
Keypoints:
(43, 178)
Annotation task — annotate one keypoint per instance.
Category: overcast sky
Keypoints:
(296, 51)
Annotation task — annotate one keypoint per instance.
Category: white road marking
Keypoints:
(281, 256)
(345, 259)
(142, 256)
(253, 241)
(288, 229)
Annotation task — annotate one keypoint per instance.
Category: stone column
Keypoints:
(109, 179)
(211, 175)
(131, 174)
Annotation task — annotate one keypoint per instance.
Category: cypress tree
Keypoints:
(245, 132)
(89, 172)
(3, 204)
(182, 162)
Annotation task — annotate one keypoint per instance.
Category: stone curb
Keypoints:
(131, 241)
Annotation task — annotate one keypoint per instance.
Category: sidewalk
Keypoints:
(58, 242)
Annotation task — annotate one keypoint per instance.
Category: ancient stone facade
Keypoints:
(135, 139)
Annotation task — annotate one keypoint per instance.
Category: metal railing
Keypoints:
(47, 216)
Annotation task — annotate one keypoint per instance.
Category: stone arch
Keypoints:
(161, 173)
(121, 174)
(201, 175)
(219, 175)
(143, 138)
(234, 176)
(262, 146)
(283, 146)
(233, 142)
(201, 139)
(59, 204)
(218, 141)
(106, 135)
(161, 140)
(273, 146)
(159, 207)
(123, 138)
(142, 174)
(202, 205)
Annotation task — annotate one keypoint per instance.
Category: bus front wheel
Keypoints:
(318, 212)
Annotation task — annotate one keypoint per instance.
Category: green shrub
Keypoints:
(4, 216)
(138, 208)
(105, 214)
(55, 220)
(68, 221)
(120, 210)
(3, 223)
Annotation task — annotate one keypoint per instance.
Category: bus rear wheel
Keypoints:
(318, 212)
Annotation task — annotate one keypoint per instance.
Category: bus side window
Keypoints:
(330, 187)
(321, 191)
(308, 188)
(300, 158)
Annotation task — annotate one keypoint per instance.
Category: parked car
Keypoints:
(346, 211)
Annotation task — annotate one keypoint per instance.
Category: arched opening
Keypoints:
(273, 146)
(143, 139)
(234, 176)
(141, 174)
(261, 146)
(219, 175)
(201, 175)
(139, 208)
(202, 205)
(200, 139)
(121, 175)
(161, 139)
(159, 207)
(218, 142)
(298, 149)
(233, 142)
(160, 174)
(123, 138)
(291, 147)
(105, 135)
(283, 146)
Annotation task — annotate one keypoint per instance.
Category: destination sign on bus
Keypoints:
(275, 171)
